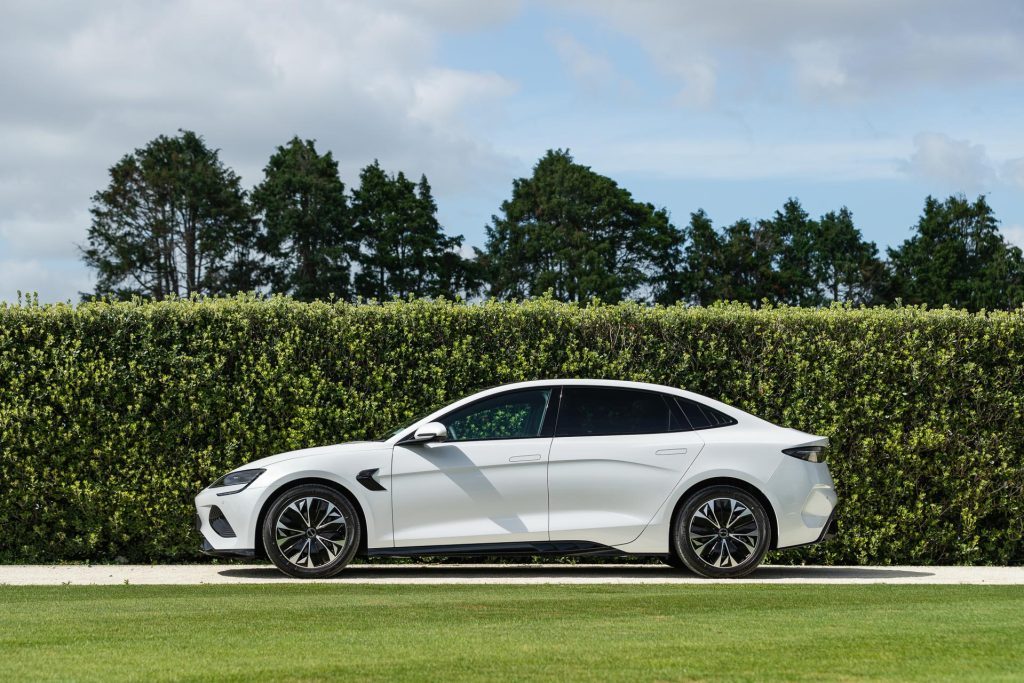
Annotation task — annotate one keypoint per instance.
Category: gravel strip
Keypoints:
(195, 574)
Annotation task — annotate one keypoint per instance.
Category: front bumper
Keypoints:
(213, 552)
(227, 523)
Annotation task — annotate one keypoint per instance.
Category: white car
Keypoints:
(554, 467)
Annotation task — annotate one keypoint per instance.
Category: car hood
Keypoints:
(335, 449)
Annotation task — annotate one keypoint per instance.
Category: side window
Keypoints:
(595, 411)
(702, 416)
(516, 415)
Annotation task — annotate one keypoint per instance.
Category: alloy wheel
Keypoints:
(311, 532)
(723, 532)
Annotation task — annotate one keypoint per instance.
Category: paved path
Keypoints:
(23, 575)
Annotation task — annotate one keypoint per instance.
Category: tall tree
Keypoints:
(958, 257)
(791, 233)
(750, 252)
(577, 233)
(307, 236)
(789, 258)
(700, 279)
(172, 221)
(404, 250)
(845, 266)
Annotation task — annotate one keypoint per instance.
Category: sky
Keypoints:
(727, 106)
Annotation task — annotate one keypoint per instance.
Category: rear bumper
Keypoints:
(805, 503)
(831, 529)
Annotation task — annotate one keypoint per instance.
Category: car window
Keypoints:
(703, 417)
(594, 411)
(515, 415)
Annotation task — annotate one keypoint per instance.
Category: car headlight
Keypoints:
(238, 478)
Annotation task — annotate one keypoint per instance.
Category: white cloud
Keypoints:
(460, 15)
(1014, 234)
(441, 95)
(729, 159)
(819, 68)
(27, 234)
(700, 80)
(53, 280)
(958, 165)
(595, 72)
(86, 83)
(1012, 172)
(839, 49)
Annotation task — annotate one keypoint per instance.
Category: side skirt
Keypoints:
(531, 548)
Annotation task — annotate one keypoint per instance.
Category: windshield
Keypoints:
(405, 425)
(410, 422)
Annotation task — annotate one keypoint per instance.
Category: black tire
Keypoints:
(326, 530)
(722, 532)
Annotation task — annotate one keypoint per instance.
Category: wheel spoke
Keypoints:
(724, 533)
(748, 542)
(311, 532)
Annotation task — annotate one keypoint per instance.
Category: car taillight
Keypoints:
(808, 453)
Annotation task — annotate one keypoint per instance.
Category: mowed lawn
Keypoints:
(564, 633)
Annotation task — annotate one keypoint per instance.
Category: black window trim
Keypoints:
(547, 428)
(672, 406)
(729, 419)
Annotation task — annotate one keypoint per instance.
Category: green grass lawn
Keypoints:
(641, 633)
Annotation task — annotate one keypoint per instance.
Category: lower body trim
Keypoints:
(213, 552)
(521, 548)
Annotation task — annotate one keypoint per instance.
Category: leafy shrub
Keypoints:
(113, 415)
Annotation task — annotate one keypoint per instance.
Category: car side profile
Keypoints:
(552, 467)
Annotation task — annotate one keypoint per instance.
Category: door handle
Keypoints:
(671, 451)
(524, 458)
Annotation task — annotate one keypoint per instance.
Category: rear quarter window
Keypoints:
(701, 416)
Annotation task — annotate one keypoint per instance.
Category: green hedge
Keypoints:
(112, 416)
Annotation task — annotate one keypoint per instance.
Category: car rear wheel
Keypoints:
(722, 532)
(311, 532)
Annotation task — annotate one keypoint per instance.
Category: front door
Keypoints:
(486, 484)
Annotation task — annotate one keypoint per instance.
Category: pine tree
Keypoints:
(701, 278)
(307, 238)
(957, 256)
(404, 250)
(845, 266)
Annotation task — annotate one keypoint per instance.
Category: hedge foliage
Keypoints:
(113, 415)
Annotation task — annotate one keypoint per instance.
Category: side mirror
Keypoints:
(432, 431)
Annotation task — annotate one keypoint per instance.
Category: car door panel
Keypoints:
(617, 454)
(487, 484)
(606, 489)
(470, 492)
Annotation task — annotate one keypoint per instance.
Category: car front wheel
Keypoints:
(311, 532)
(722, 532)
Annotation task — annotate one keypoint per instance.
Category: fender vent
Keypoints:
(366, 479)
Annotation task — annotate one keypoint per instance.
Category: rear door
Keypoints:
(617, 454)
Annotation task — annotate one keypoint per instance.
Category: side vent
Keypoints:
(366, 479)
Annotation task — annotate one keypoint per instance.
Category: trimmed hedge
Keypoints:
(113, 415)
